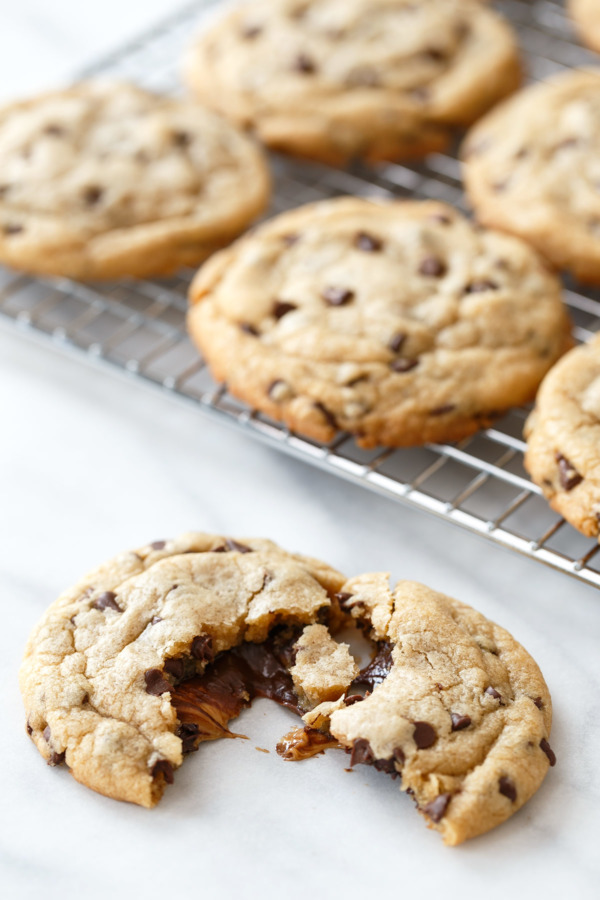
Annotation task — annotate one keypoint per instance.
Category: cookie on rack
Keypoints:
(337, 79)
(105, 180)
(399, 322)
(102, 665)
(563, 438)
(531, 168)
(458, 709)
(586, 16)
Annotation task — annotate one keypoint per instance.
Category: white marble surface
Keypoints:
(91, 466)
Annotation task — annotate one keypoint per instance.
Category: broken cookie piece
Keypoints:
(323, 669)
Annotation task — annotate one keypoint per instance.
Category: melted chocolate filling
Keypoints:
(377, 670)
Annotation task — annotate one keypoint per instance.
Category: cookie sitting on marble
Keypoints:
(399, 322)
(531, 168)
(337, 79)
(458, 709)
(107, 180)
(563, 438)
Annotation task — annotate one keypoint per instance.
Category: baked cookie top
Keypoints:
(99, 667)
(103, 180)
(459, 709)
(400, 322)
(563, 437)
(333, 79)
(586, 16)
(532, 167)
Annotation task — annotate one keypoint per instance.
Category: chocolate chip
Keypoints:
(568, 474)
(188, 732)
(507, 788)
(92, 194)
(459, 721)
(342, 598)
(478, 287)
(47, 734)
(174, 667)
(182, 139)
(12, 228)
(492, 692)
(436, 810)
(54, 130)
(155, 620)
(361, 753)
(327, 414)
(281, 308)
(355, 698)
(404, 365)
(387, 766)
(304, 64)
(435, 54)
(107, 600)
(442, 410)
(548, 751)
(158, 545)
(397, 342)
(248, 329)
(538, 702)
(337, 296)
(30, 729)
(231, 545)
(367, 242)
(424, 735)
(56, 759)
(164, 768)
(399, 756)
(156, 683)
(433, 267)
(201, 648)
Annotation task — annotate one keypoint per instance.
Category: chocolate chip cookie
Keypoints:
(458, 710)
(337, 79)
(399, 322)
(106, 180)
(586, 16)
(563, 438)
(102, 667)
(531, 168)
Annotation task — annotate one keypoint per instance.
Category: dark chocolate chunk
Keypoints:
(281, 308)
(231, 545)
(158, 545)
(492, 692)
(343, 598)
(164, 768)
(107, 600)
(399, 756)
(378, 669)
(433, 267)
(361, 753)
(174, 667)
(442, 410)
(93, 194)
(404, 365)
(477, 287)
(459, 721)
(30, 729)
(548, 751)
(387, 766)
(367, 242)
(436, 810)
(354, 698)
(202, 648)
(188, 732)
(56, 759)
(538, 702)
(567, 473)
(424, 735)
(156, 683)
(182, 139)
(304, 64)
(12, 228)
(435, 54)
(327, 414)
(507, 788)
(337, 296)
(397, 342)
(248, 329)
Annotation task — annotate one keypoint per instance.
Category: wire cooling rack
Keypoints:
(137, 328)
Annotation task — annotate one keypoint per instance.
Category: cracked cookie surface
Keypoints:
(586, 16)
(399, 322)
(100, 667)
(104, 180)
(463, 713)
(336, 79)
(563, 438)
(531, 167)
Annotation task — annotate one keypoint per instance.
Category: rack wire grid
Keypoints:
(137, 328)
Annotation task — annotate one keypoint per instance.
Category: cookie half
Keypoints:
(458, 709)
(399, 322)
(531, 168)
(101, 668)
(563, 438)
(107, 180)
(586, 16)
(337, 79)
